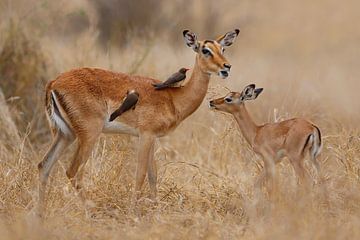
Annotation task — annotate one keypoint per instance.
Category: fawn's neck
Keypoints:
(247, 126)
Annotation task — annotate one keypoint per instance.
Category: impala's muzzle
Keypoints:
(224, 73)
(212, 104)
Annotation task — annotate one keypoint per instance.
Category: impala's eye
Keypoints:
(206, 51)
(228, 100)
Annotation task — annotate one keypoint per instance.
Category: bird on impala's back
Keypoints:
(129, 102)
(173, 81)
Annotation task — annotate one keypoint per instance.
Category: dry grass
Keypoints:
(206, 170)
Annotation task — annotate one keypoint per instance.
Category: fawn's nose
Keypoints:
(226, 65)
(211, 103)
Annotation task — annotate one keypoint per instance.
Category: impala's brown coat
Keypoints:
(80, 101)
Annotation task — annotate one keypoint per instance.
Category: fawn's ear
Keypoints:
(248, 91)
(191, 40)
(257, 92)
(228, 38)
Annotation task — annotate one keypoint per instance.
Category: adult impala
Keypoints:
(293, 138)
(79, 103)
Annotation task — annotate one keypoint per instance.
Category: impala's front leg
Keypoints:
(269, 169)
(152, 174)
(145, 153)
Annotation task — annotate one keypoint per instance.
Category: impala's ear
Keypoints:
(257, 92)
(248, 91)
(191, 40)
(228, 38)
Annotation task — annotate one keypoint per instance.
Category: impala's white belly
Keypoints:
(116, 127)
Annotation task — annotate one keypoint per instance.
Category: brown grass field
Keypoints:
(306, 55)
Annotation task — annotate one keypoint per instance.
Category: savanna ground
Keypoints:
(305, 54)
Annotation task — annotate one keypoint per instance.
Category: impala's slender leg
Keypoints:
(86, 143)
(315, 163)
(152, 173)
(75, 171)
(59, 144)
(298, 168)
(146, 145)
(269, 168)
(298, 164)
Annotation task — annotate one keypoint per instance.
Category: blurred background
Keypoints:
(305, 54)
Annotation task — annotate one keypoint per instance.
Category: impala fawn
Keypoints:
(79, 103)
(292, 138)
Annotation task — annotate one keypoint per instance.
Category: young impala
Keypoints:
(79, 103)
(292, 138)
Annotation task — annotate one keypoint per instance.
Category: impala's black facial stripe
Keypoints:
(208, 41)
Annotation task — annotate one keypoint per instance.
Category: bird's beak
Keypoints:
(187, 69)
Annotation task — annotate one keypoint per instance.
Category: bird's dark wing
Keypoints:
(128, 103)
(173, 79)
(176, 77)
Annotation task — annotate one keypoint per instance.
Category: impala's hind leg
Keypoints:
(82, 154)
(315, 162)
(57, 147)
(86, 142)
(298, 163)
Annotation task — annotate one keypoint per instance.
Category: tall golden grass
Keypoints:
(304, 53)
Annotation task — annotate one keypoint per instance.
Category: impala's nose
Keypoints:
(224, 74)
(226, 65)
(211, 104)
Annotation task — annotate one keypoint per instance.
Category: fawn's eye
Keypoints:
(206, 51)
(228, 100)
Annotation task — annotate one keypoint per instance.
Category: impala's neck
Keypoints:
(188, 98)
(247, 126)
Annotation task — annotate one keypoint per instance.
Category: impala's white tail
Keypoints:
(317, 146)
(315, 143)
(56, 114)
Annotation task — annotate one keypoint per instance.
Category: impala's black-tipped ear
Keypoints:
(191, 40)
(257, 92)
(228, 38)
(248, 90)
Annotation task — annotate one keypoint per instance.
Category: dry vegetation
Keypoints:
(304, 53)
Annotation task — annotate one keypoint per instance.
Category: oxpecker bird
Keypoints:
(173, 81)
(129, 102)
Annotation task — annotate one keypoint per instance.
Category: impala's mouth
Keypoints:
(224, 74)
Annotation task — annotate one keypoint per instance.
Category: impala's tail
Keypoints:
(315, 146)
(55, 113)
